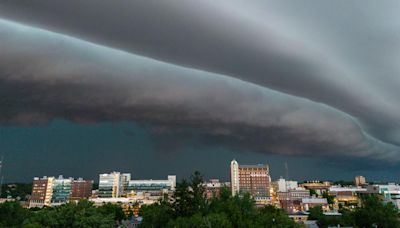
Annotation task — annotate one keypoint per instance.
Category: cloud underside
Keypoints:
(44, 75)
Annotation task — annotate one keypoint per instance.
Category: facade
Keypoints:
(291, 200)
(253, 179)
(42, 191)
(81, 189)
(213, 187)
(111, 185)
(319, 186)
(50, 191)
(61, 190)
(152, 187)
(234, 177)
(283, 185)
(359, 180)
(310, 202)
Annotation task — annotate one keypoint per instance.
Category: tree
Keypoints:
(374, 212)
(273, 217)
(329, 198)
(112, 209)
(12, 214)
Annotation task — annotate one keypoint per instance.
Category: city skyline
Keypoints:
(198, 84)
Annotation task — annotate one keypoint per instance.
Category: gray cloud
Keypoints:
(343, 54)
(44, 75)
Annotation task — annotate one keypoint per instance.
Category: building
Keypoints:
(50, 191)
(213, 187)
(152, 187)
(291, 200)
(61, 190)
(310, 202)
(234, 177)
(253, 179)
(318, 186)
(42, 192)
(81, 189)
(283, 185)
(359, 180)
(111, 185)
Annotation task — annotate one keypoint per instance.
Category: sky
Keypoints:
(157, 88)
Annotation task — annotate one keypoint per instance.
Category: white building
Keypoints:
(234, 177)
(284, 185)
(112, 185)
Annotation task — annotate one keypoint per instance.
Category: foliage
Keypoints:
(372, 213)
(12, 214)
(82, 214)
(17, 191)
(375, 213)
(190, 208)
(329, 198)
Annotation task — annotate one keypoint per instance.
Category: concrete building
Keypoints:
(359, 180)
(253, 179)
(283, 185)
(319, 186)
(291, 200)
(42, 192)
(235, 177)
(213, 187)
(310, 202)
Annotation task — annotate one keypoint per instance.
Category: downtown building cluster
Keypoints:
(293, 197)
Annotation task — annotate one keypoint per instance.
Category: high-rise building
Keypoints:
(111, 185)
(253, 179)
(81, 189)
(42, 192)
(61, 190)
(359, 180)
(234, 177)
(50, 191)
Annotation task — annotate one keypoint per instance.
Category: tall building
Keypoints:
(42, 192)
(359, 180)
(81, 189)
(50, 191)
(253, 179)
(234, 177)
(111, 185)
(61, 190)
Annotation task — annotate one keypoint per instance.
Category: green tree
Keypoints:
(375, 213)
(329, 198)
(156, 215)
(12, 214)
(112, 209)
(273, 217)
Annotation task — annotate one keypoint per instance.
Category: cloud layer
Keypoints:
(323, 79)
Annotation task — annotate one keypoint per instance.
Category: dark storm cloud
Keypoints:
(44, 75)
(340, 53)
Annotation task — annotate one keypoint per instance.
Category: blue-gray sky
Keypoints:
(314, 83)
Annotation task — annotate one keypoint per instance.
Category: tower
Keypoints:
(234, 177)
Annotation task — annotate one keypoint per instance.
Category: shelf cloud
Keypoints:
(272, 77)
